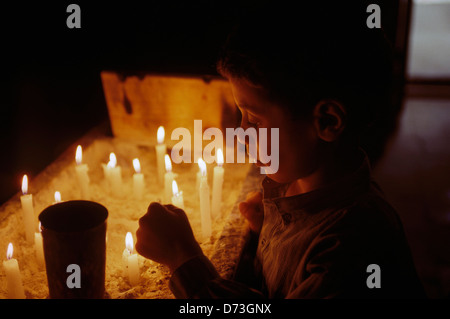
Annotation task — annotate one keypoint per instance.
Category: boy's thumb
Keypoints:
(243, 208)
(254, 197)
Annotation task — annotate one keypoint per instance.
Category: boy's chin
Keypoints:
(277, 176)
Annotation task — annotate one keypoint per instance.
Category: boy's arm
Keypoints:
(336, 265)
(197, 278)
(165, 236)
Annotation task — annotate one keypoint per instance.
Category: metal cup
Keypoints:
(74, 233)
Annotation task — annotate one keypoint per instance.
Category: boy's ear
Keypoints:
(330, 119)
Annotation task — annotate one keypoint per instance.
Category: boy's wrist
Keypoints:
(184, 254)
(192, 276)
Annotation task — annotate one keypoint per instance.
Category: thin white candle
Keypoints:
(29, 219)
(13, 276)
(113, 174)
(130, 261)
(199, 177)
(38, 247)
(82, 174)
(107, 172)
(160, 152)
(205, 205)
(177, 198)
(138, 180)
(168, 179)
(216, 200)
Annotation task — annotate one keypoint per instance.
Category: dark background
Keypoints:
(51, 91)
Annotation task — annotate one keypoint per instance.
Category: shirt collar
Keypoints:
(330, 195)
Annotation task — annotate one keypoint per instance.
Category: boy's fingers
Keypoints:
(243, 208)
(248, 210)
(254, 197)
(153, 208)
(174, 209)
(252, 194)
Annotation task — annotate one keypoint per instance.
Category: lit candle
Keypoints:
(168, 178)
(13, 277)
(177, 198)
(216, 200)
(28, 211)
(82, 174)
(130, 261)
(160, 152)
(107, 171)
(205, 206)
(57, 197)
(39, 250)
(138, 180)
(113, 174)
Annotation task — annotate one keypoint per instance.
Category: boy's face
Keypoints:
(298, 140)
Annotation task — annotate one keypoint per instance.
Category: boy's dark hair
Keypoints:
(308, 52)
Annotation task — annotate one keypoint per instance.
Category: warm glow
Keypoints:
(25, 185)
(40, 227)
(79, 155)
(202, 166)
(57, 197)
(219, 157)
(112, 160)
(129, 242)
(174, 188)
(168, 163)
(137, 165)
(9, 252)
(160, 135)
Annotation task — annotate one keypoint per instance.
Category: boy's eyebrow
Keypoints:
(247, 107)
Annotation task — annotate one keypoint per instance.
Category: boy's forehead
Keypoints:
(247, 96)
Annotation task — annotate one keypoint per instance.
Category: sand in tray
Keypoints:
(124, 213)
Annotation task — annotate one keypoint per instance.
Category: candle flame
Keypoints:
(160, 134)
(168, 163)
(57, 197)
(9, 252)
(219, 157)
(25, 184)
(112, 160)
(174, 188)
(40, 227)
(137, 165)
(78, 155)
(202, 166)
(129, 242)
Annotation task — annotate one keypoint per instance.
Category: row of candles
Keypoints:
(209, 208)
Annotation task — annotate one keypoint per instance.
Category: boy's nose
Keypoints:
(239, 138)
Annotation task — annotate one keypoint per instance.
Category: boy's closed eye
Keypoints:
(249, 118)
(252, 120)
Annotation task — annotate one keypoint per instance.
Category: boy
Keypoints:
(320, 76)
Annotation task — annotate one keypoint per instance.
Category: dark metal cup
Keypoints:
(74, 233)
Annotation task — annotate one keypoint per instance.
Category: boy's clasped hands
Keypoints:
(165, 235)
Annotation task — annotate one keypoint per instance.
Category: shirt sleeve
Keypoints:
(197, 278)
(330, 272)
(336, 264)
